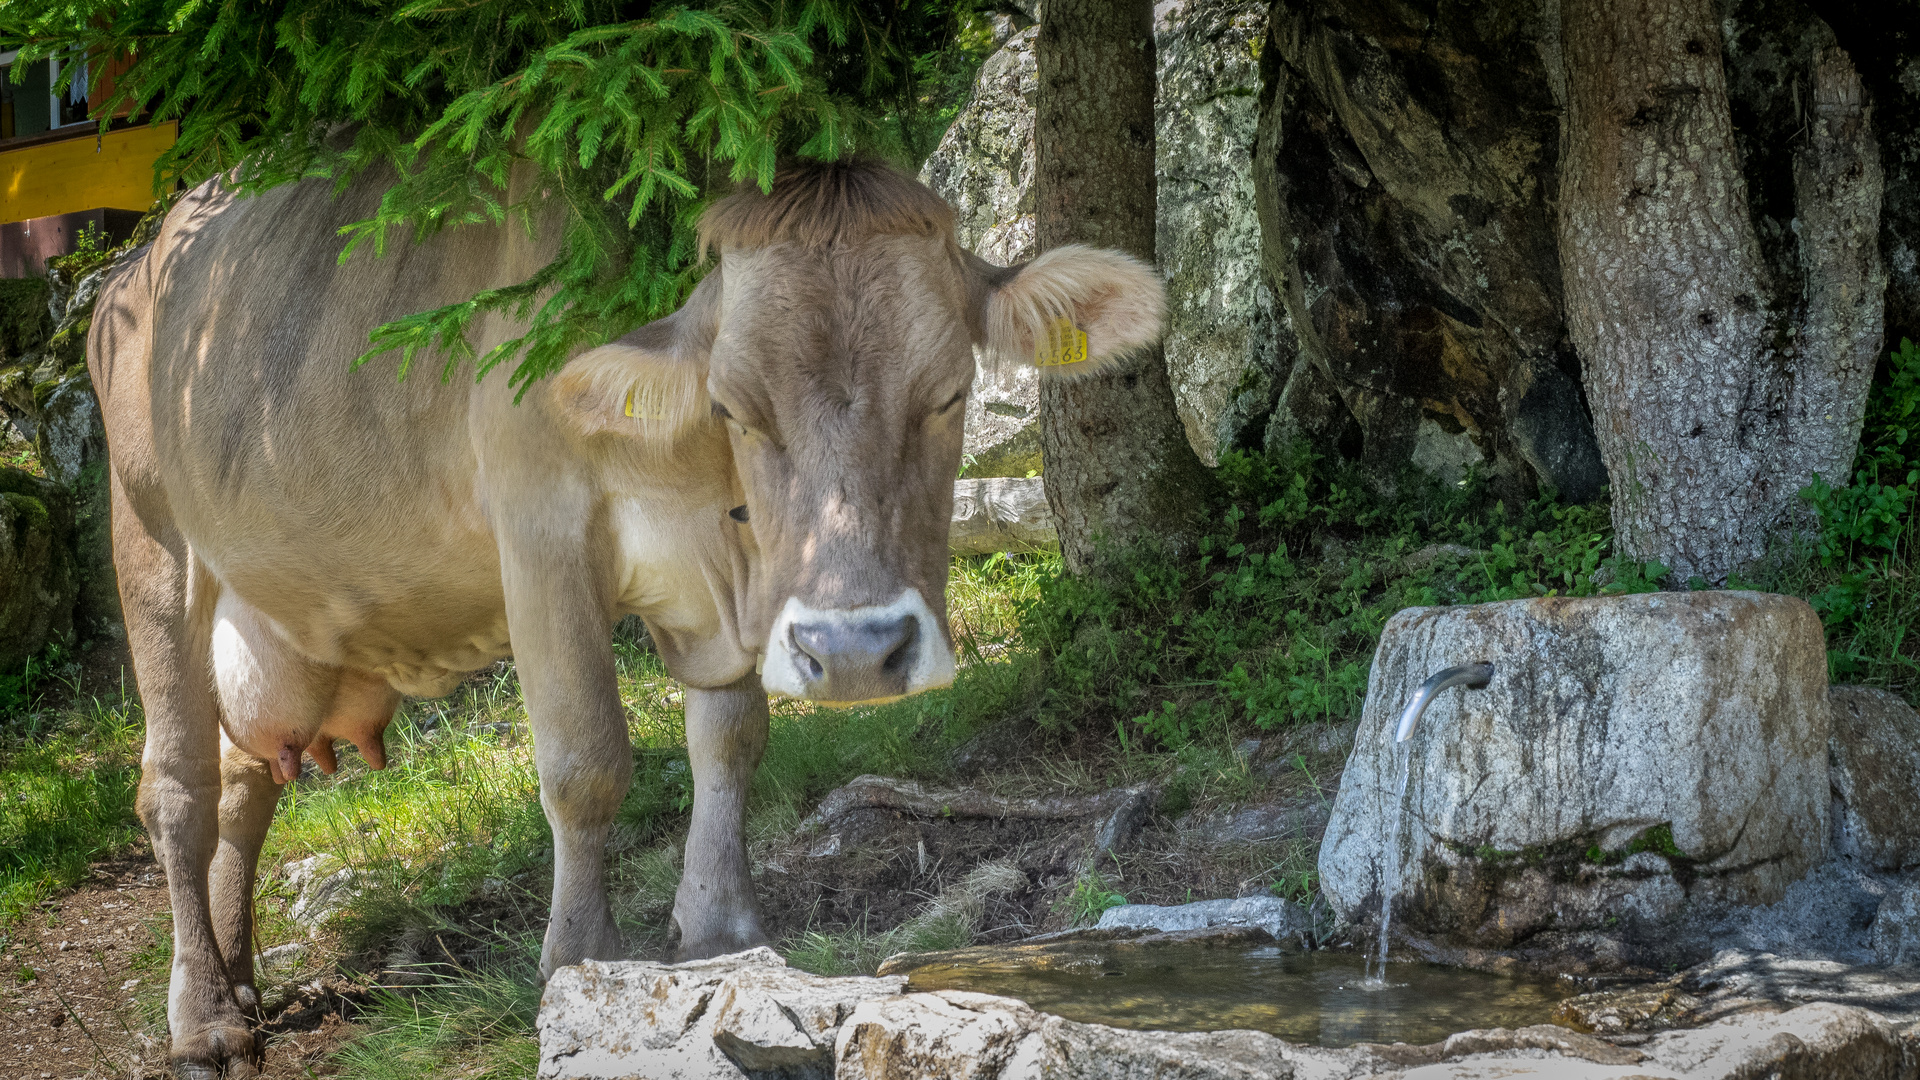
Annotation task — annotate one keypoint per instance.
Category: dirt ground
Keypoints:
(68, 1005)
(85, 989)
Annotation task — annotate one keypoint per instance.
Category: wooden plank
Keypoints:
(113, 171)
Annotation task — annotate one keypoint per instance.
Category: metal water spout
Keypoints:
(1471, 676)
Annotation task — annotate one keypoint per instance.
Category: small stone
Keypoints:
(322, 885)
(1281, 919)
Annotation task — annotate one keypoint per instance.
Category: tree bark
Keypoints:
(1117, 459)
(1714, 399)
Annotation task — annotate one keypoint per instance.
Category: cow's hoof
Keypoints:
(223, 1048)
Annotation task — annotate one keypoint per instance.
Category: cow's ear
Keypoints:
(650, 384)
(1073, 310)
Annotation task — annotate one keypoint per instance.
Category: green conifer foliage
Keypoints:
(636, 114)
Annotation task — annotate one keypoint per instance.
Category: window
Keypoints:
(69, 106)
(7, 127)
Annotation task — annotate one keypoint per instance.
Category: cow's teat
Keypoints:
(853, 656)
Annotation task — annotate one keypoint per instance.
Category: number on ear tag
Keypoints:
(646, 402)
(1064, 344)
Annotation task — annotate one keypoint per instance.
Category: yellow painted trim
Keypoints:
(114, 171)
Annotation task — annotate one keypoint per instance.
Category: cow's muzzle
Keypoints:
(847, 656)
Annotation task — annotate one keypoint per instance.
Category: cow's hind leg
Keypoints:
(715, 907)
(168, 600)
(274, 703)
(247, 797)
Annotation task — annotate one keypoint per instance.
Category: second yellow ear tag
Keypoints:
(1063, 344)
(646, 402)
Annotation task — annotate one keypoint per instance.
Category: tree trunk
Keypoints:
(1714, 399)
(1117, 459)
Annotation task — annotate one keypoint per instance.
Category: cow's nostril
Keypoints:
(901, 658)
(810, 644)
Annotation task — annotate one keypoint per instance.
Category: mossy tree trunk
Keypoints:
(1716, 393)
(1117, 459)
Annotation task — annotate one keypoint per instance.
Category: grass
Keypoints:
(67, 785)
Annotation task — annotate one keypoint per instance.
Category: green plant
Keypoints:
(1089, 899)
(1871, 513)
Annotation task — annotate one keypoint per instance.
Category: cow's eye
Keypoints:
(958, 400)
(720, 411)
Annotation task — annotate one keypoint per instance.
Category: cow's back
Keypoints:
(346, 506)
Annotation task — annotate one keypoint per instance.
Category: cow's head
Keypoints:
(834, 341)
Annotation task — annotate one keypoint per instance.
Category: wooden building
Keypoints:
(59, 174)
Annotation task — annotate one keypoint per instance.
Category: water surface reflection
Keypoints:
(1316, 998)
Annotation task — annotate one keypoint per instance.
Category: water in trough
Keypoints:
(1321, 998)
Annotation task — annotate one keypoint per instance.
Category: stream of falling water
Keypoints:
(1390, 875)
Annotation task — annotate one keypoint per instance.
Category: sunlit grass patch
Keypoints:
(66, 797)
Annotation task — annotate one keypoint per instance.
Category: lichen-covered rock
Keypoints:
(71, 442)
(964, 1036)
(1875, 758)
(321, 885)
(983, 167)
(1631, 754)
(37, 577)
(1222, 344)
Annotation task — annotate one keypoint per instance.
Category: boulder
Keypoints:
(1896, 928)
(38, 580)
(1283, 920)
(1875, 759)
(1818, 1040)
(722, 1019)
(1001, 514)
(1405, 170)
(1631, 754)
(983, 167)
(1222, 344)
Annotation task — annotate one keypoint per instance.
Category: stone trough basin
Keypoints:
(1163, 983)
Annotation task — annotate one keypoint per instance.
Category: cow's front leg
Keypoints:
(564, 655)
(715, 907)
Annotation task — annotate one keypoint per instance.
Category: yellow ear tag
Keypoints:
(1065, 344)
(652, 403)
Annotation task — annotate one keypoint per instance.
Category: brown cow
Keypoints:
(765, 476)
